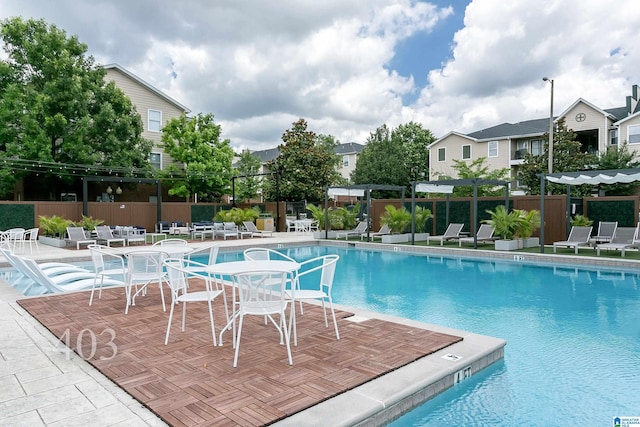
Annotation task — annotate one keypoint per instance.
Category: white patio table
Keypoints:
(235, 267)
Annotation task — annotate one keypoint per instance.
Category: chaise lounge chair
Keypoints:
(484, 235)
(625, 238)
(360, 228)
(384, 230)
(451, 233)
(606, 231)
(578, 236)
(250, 227)
(77, 235)
(105, 236)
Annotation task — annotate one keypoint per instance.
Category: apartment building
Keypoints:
(155, 108)
(505, 145)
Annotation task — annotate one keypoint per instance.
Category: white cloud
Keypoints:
(259, 66)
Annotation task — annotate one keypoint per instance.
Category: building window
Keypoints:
(493, 149)
(466, 152)
(633, 134)
(345, 161)
(156, 160)
(613, 136)
(441, 154)
(155, 121)
(537, 147)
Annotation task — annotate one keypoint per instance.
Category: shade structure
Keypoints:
(449, 184)
(588, 177)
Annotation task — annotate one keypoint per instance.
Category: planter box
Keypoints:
(52, 241)
(531, 242)
(320, 234)
(508, 245)
(420, 237)
(396, 238)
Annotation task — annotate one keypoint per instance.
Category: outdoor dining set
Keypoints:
(265, 284)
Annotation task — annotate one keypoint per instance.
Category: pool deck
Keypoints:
(41, 386)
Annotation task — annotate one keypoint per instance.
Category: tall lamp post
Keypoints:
(547, 79)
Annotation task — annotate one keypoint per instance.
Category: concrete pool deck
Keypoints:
(42, 387)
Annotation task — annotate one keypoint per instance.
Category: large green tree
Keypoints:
(203, 163)
(567, 157)
(305, 165)
(415, 140)
(394, 157)
(619, 157)
(57, 111)
(477, 169)
(248, 181)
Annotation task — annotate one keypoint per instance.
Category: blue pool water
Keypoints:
(573, 336)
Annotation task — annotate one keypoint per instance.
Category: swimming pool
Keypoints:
(573, 335)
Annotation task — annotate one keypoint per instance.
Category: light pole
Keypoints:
(547, 79)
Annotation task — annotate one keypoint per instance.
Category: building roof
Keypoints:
(527, 127)
(271, 153)
(349, 148)
(146, 85)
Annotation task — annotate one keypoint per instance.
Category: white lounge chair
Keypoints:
(251, 228)
(384, 230)
(228, 229)
(451, 233)
(484, 235)
(624, 238)
(578, 237)
(606, 231)
(360, 228)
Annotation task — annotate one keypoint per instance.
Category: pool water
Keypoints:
(573, 335)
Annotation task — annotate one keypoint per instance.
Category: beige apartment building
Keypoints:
(504, 145)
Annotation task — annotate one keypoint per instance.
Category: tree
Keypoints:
(415, 140)
(55, 108)
(381, 161)
(247, 183)
(477, 169)
(305, 165)
(567, 157)
(619, 158)
(203, 162)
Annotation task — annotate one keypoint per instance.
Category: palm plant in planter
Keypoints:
(504, 225)
(397, 220)
(53, 229)
(421, 216)
(527, 224)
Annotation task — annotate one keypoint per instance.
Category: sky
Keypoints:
(350, 66)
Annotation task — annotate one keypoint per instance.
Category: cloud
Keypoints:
(259, 66)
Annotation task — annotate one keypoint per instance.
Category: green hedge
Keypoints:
(622, 211)
(13, 216)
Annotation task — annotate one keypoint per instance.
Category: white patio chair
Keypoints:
(106, 264)
(144, 268)
(178, 273)
(383, 231)
(30, 237)
(325, 268)
(261, 294)
(624, 238)
(14, 238)
(170, 242)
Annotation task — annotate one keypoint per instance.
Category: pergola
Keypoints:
(360, 190)
(446, 186)
(590, 177)
(87, 179)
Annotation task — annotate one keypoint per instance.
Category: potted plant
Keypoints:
(53, 229)
(397, 220)
(504, 224)
(528, 223)
(319, 215)
(580, 221)
(88, 223)
(421, 216)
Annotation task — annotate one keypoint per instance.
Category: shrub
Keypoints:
(396, 219)
(54, 225)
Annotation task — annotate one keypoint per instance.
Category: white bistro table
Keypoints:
(227, 269)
